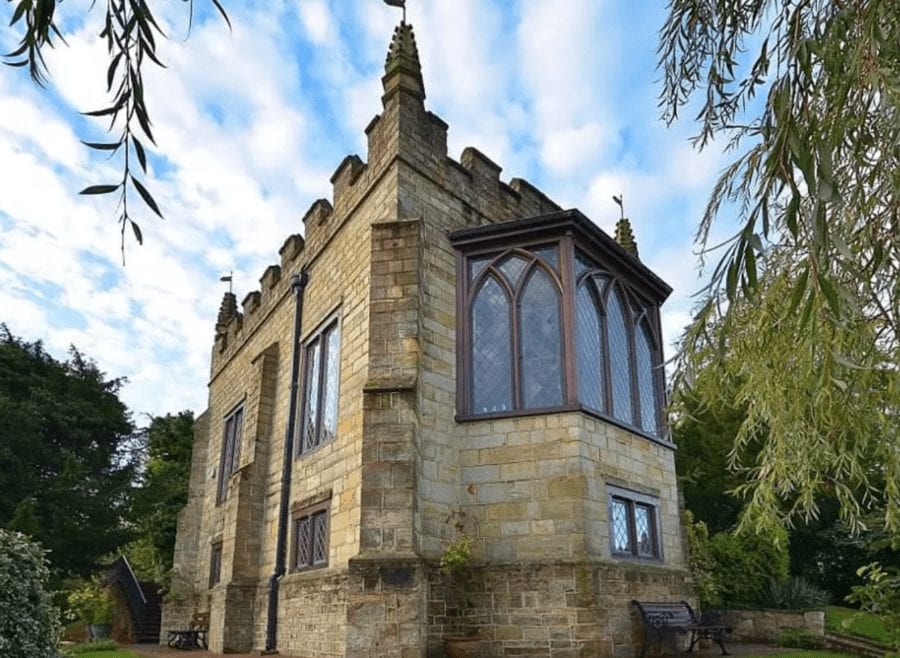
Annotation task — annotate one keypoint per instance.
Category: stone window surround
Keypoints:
(331, 323)
(309, 508)
(231, 449)
(215, 563)
(618, 493)
(572, 232)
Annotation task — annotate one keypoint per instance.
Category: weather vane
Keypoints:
(228, 277)
(398, 3)
(618, 200)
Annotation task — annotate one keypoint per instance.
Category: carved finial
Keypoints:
(227, 310)
(624, 234)
(402, 69)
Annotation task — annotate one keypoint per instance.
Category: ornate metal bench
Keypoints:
(666, 622)
(195, 635)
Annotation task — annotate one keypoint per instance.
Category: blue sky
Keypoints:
(252, 123)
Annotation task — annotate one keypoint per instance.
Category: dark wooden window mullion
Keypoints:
(628, 313)
(632, 527)
(568, 297)
(516, 346)
(604, 347)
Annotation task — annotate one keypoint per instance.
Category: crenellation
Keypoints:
(291, 250)
(251, 303)
(270, 278)
(345, 176)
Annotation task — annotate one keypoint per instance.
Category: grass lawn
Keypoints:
(861, 624)
(808, 654)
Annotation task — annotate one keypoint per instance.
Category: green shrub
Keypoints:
(880, 596)
(29, 624)
(794, 593)
(90, 647)
(744, 562)
(91, 604)
(701, 562)
(797, 638)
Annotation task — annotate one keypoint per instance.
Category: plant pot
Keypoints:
(462, 646)
(98, 631)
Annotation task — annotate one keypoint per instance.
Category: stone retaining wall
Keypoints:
(765, 625)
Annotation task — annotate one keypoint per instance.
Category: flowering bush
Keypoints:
(29, 623)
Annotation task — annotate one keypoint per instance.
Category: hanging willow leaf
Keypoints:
(145, 195)
(100, 189)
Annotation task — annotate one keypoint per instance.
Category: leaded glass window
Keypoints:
(321, 386)
(541, 345)
(231, 451)
(515, 328)
(516, 348)
(491, 349)
(590, 354)
(310, 538)
(648, 390)
(633, 524)
(619, 360)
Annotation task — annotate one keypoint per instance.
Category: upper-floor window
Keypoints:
(619, 371)
(516, 322)
(231, 450)
(321, 383)
(544, 325)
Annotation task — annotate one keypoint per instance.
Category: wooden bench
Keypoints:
(665, 621)
(195, 635)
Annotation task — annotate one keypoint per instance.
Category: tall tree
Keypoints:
(163, 492)
(66, 469)
(805, 299)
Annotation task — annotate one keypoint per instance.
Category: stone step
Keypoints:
(855, 645)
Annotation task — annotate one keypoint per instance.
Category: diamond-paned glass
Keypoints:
(619, 526)
(648, 391)
(477, 265)
(512, 267)
(331, 384)
(541, 341)
(643, 530)
(619, 366)
(311, 390)
(320, 537)
(304, 542)
(550, 254)
(590, 351)
(491, 349)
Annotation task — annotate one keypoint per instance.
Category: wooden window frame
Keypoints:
(316, 340)
(310, 513)
(640, 291)
(230, 457)
(632, 500)
(514, 295)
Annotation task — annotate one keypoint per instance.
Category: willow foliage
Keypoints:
(802, 312)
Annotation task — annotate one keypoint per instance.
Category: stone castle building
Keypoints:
(440, 355)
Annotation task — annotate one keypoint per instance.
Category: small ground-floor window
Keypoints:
(310, 538)
(633, 524)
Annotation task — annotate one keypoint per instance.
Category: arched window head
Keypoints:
(541, 342)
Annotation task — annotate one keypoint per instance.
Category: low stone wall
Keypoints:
(765, 625)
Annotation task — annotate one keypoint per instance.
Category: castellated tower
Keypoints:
(442, 355)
